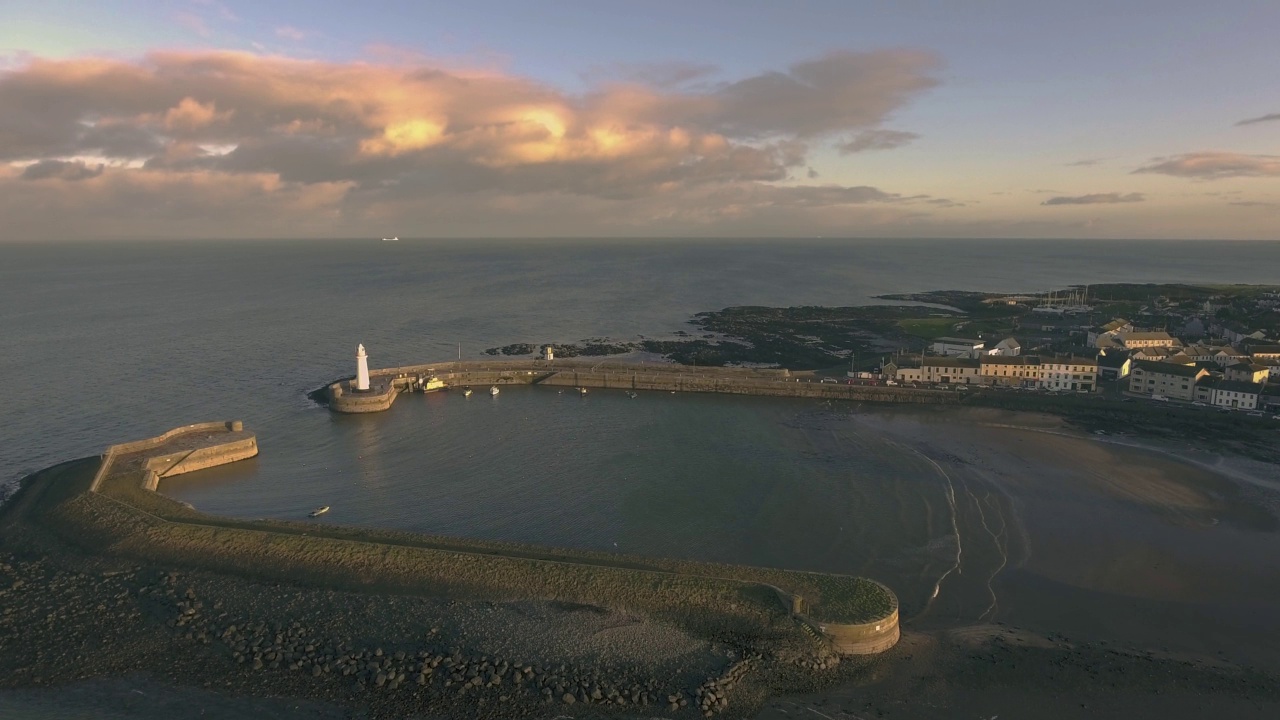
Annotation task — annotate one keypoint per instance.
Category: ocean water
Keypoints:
(115, 341)
(105, 341)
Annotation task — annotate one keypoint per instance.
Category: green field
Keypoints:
(930, 328)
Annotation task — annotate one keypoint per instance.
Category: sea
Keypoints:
(111, 341)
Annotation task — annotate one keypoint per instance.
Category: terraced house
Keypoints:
(946, 370)
(1176, 382)
(1134, 340)
(1068, 373)
(1020, 371)
(1229, 393)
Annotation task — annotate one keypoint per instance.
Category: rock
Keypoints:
(569, 699)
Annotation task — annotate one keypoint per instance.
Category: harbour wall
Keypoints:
(622, 376)
(344, 398)
(123, 516)
(868, 638)
(183, 461)
(170, 464)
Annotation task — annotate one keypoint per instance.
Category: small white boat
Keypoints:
(391, 239)
(493, 390)
(582, 391)
(466, 393)
(632, 395)
(319, 511)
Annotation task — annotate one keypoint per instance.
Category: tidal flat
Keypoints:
(1035, 563)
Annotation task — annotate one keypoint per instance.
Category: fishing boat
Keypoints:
(319, 511)
(493, 390)
(582, 391)
(466, 393)
(632, 395)
(391, 239)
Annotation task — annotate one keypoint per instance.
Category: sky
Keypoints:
(178, 119)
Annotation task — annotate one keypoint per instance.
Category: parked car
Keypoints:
(830, 380)
(1199, 403)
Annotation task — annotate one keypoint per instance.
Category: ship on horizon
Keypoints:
(391, 239)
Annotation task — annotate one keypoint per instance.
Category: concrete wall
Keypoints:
(625, 376)
(168, 465)
(344, 398)
(186, 461)
(864, 638)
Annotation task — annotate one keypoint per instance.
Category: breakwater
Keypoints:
(180, 450)
(665, 377)
(117, 510)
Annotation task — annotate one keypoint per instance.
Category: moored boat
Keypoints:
(319, 511)
(466, 392)
(493, 390)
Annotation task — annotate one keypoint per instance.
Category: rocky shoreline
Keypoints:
(72, 620)
(76, 605)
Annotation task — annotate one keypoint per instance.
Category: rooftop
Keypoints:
(959, 341)
(1164, 368)
(1158, 335)
(950, 362)
(1113, 360)
(1233, 385)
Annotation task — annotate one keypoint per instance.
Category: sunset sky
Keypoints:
(227, 119)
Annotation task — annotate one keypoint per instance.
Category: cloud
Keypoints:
(1253, 203)
(1214, 165)
(1096, 199)
(660, 74)
(1260, 119)
(394, 137)
(1086, 162)
(835, 92)
(288, 32)
(61, 170)
(876, 140)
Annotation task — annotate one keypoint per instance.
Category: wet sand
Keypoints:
(1099, 577)
(1081, 578)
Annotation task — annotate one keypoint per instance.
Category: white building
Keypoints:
(548, 353)
(1069, 373)
(1228, 393)
(1007, 347)
(958, 347)
(1113, 365)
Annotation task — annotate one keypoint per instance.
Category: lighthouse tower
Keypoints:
(362, 369)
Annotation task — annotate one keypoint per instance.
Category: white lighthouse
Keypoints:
(362, 369)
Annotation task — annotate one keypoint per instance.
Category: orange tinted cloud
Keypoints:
(369, 137)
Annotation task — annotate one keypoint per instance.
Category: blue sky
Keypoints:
(1026, 101)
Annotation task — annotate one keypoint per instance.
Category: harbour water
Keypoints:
(104, 341)
(111, 342)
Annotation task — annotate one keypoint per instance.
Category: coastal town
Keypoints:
(1219, 352)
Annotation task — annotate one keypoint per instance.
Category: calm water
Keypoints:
(119, 340)
(109, 342)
